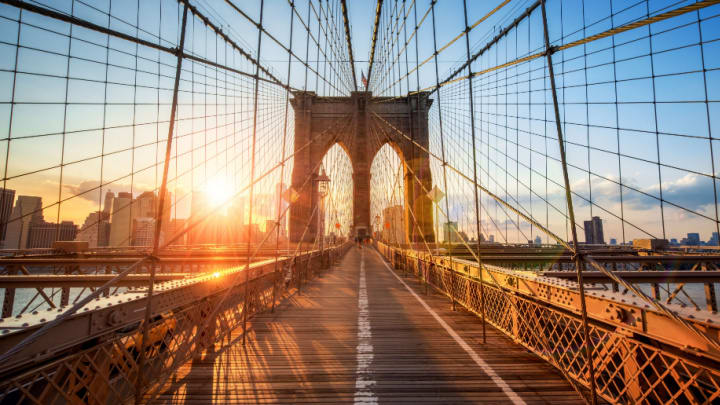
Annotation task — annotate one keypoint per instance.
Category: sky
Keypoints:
(82, 113)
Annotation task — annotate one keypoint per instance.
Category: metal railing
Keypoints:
(639, 356)
(98, 360)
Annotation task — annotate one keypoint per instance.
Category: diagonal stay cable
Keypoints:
(659, 306)
(120, 276)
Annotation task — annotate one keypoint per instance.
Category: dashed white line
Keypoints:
(364, 381)
(512, 396)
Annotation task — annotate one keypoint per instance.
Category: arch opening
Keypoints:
(338, 212)
(387, 196)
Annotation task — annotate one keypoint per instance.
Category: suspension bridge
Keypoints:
(330, 201)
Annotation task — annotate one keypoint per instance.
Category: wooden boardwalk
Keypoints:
(349, 338)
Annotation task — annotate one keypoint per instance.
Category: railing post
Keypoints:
(9, 298)
(65, 291)
(426, 273)
(299, 271)
(710, 297)
(587, 344)
(106, 293)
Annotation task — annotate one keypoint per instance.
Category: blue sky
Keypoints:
(622, 125)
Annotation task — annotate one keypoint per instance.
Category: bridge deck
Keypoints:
(326, 346)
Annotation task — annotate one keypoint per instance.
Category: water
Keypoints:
(25, 296)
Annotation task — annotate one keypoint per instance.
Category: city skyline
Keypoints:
(128, 219)
(97, 223)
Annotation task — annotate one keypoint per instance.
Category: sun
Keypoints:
(218, 192)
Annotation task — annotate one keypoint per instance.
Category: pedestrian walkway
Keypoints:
(362, 333)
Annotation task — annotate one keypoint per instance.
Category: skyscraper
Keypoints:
(96, 229)
(693, 239)
(714, 239)
(594, 231)
(7, 198)
(450, 232)
(121, 220)
(143, 232)
(28, 210)
(43, 234)
(107, 207)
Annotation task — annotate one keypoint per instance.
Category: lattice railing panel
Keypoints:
(108, 370)
(627, 369)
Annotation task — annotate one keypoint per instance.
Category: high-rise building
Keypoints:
(175, 228)
(450, 233)
(143, 233)
(28, 209)
(693, 239)
(714, 240)
(393, 230)
(107, 206)
(121, 220)
(205, 231)
(7, 198)
(594, 232)
(96, 229)
(613, 241)
(43, 234)
(125, 210)
(147, 205)
(538, 240)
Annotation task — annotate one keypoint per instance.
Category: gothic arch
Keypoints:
(320, 122)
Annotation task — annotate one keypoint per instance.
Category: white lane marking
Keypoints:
(514, 398)
(364, 381)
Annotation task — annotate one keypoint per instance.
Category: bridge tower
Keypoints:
(362, 124)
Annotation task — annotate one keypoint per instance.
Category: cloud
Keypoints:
(90, 189)
(692, 191)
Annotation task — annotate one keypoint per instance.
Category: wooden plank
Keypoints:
(306, 352)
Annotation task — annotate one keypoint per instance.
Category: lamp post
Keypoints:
(323, 182)
(436, 195)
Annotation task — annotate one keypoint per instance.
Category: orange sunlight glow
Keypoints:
(218, 192)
